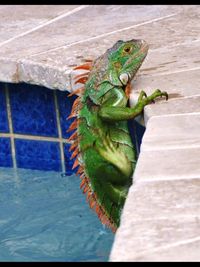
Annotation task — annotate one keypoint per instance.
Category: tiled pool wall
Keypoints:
(33, 128)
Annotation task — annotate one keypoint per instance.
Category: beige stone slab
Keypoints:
(88, 22)
(147, 237)
(162, 199)
(167, 23)
(178, 85)
(169, 32)
(16, 19)
(173, 106)
(64, 58)
(168, 164)
(174, 59)
(9, 70)
(187, 251)
(157, 216)
(51, 77)
(171, 132)
(166, 20)
(183, 81)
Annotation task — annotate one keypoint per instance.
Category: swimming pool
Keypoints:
(44, 217)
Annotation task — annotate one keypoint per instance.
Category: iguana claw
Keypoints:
(151, 99)
(166, 95)
(142, 95)
(161, 94)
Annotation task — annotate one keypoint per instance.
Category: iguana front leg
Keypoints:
(125, 113)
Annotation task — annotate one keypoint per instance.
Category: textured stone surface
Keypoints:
(17, 19)
(162, 107)
(168, 164)
(173, 106)
(65, 57)
(159, 216)
(172, 82)
(188, 251)
(173, 131)
(48, 59)
(172, 59)
(99, 19)
(163, 199)
(52, 77)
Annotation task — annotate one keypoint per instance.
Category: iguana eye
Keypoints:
(128, 49)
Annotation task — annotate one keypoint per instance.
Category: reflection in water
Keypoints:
(44, 217)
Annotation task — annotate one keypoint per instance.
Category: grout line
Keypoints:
(166, 73)
(34, 137)
(147, 118)
(146, 219)
(175, 178)
(104, 34)
(9, 114)
(44, 24)
(59, 132)
(169, 115)
(152, 148)
(173, 115)
(182, 97)
(135, 95)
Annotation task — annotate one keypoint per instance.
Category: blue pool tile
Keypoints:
(3, 113)
(68, 163)
(33, 110)
(136, 131)
(38, 155)
(5, 153)
(65, 104)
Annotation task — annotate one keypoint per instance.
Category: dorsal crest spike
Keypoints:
(86, 66)
(73, 136)
(83, 182)
(80, 170)
(73, 146)
(82, 80)
(72, 126)
(76, 163)
(85, 74)
(77, 91)
(75, 153)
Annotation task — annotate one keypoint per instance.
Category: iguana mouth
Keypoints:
(144, 47)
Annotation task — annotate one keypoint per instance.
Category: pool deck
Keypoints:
(41, 44)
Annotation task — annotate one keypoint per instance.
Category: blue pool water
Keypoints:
(44, 217)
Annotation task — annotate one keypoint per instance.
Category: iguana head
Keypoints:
(116, 67)
(124, 59)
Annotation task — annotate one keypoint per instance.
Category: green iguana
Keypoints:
(102, 143)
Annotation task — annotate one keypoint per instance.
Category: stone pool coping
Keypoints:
(160, 220)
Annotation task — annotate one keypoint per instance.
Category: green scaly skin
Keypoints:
(105, 146)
